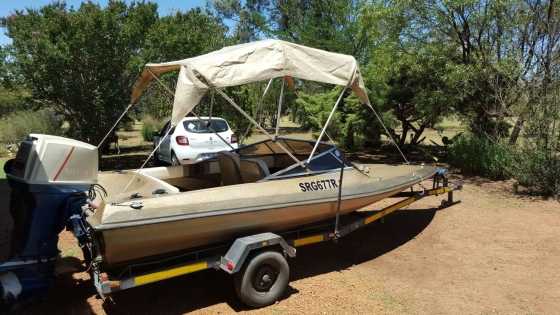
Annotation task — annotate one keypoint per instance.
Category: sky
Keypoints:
(165, 7)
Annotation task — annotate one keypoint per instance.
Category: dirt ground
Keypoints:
(494, 253)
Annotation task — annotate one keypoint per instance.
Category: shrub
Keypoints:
(15, 126)
(150, 128)
(353, 125)
(4, 152)
(481, 156)
(539, 171)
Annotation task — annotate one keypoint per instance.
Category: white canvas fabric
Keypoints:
(252, 62)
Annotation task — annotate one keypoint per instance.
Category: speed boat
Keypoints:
(250, 190)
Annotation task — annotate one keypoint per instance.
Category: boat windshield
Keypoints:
(326, 158)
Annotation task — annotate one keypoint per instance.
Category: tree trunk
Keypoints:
(517, 129)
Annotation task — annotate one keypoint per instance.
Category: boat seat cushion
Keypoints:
(253, 170)
(236, 170)
(229, 168)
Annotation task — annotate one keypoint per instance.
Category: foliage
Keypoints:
(150, 128)
(353, 125)
(17, 125)
(539, 171)
(183, 35)
(538, 162)
(481, 156)
(3, 153)
(2, 162)
(81, 63)
(501, 51)
(418, 93)
(174, 37)
(12, 100)
(9, 76)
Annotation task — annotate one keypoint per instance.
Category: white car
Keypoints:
(193, 140)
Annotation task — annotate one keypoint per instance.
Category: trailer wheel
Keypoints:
(263, 280)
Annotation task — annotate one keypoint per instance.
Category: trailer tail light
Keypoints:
(182, 140)
(233, 139)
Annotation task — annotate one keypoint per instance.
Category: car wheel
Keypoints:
(174, 160)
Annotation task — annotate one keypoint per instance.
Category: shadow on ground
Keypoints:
(72, 294)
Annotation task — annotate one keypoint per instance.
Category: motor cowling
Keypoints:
(48, 180)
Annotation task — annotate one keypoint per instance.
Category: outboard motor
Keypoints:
(48, 180)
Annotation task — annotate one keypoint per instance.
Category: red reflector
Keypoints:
(104, 277)
(233, 139)
(182, 140)
(230, 265)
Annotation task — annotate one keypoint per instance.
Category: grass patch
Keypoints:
(2, 162)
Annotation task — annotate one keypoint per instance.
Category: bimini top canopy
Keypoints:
(251, 62)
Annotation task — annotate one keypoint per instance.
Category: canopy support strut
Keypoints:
(280, 99)
(240, 110)
(158, 80)
(388, 134)
(257, 109)
(115, 125)
(326, 125)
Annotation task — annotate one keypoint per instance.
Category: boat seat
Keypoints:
(229, 168)
(236, 170)
(253, 170)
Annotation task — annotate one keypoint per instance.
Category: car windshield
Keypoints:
(205, 125)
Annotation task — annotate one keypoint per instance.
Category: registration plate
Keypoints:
(206, 156)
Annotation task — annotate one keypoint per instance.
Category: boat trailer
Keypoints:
(246, 256)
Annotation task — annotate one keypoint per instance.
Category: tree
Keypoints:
(501, 54)
(175, 37)
(418, 94)
(81, 62)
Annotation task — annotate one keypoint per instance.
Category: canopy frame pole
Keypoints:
(115, 125)
(280, 100)
(239, 109)
(257, 109)
(326, 125)
(388, 134)
(158, 80)
(211, 110)
(148, 158)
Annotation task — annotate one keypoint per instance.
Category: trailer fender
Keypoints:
(234, 259)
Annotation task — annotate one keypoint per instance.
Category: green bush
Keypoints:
(4, 152)
(150, 128)
(15, 126)
(539, 171)
(480, 156)
(352, 126)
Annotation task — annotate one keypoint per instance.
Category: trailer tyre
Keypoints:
(263, 280)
